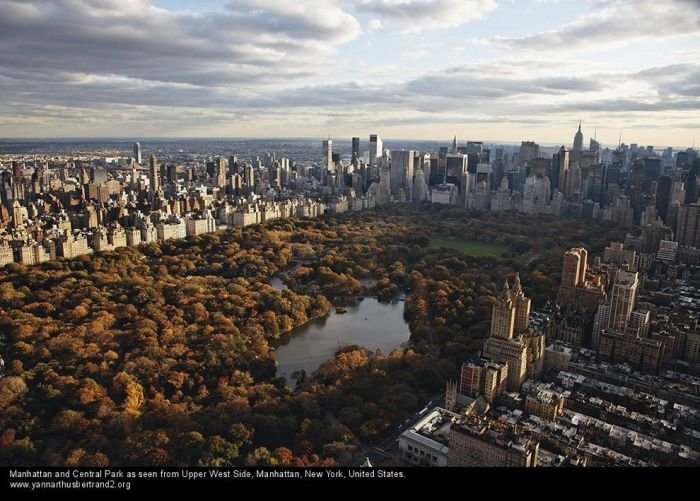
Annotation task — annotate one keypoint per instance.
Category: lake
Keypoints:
(368, 323)
(277, 284)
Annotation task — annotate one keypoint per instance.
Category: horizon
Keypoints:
(132, 139)
(414, 68)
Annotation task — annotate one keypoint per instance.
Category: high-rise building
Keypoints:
(172, 174)
(622, 298)
(137, 152)
(688, 225)
(420, 187)
(573, 271)
(327, 154)
(455, 169)
(482, 377)
(233, 165)
(600, 323)
(154, 173)
(249, 177)
(528, 151)
(503, 316)
(576, 290)
(17, 214)
(664, 187)
(692, 183)
(98, 175)
(376, 149)
(522, 306)
(401, 170)
(560, 169)
(355, 150)
(634, 345)
(221, 168)
(507, 343)
(578, 139)
(618, 254)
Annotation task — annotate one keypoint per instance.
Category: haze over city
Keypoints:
(490, 70)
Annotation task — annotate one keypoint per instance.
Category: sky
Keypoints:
(491, 70)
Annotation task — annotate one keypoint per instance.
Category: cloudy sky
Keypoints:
(481, 69)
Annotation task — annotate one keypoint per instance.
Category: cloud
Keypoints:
(416, 54)
(510, 91)
(375, 25)
(115, 67)
(465, 83)
(252, 41)
(613, 22)
(413, 16)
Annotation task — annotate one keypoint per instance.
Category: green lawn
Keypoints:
(470, 247)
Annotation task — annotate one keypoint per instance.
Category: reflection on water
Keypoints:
(277, 284)
(368, 323)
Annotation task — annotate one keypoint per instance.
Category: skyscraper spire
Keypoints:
(517, 288)
(578, 139)
(506, 290)
(454, 145)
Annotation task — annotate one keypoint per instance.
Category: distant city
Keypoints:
(63, 199)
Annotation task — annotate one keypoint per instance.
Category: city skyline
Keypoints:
(482, 69)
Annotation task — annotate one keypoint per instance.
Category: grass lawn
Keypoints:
(470, 247)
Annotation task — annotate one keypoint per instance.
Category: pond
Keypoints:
(277, 284)
(367, 323)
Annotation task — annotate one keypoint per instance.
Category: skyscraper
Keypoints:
(624, 294)
(688, 225)
(154, 173)
(455, 167)
(600, 323)
(420, 188)
(503, 316)
(327, 154)
(355, 150)
(573, 271)
(221, 172)
(137, 152)
(401, 170)
(578, 139)
(577, 289)
(376, 148)
(664, 187)
(692, 190)
(528, 151)
(507, 343)
(560, 169)
(172, 174)
(522, 306)
(249, 177)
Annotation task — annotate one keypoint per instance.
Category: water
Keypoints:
(369, 323)
(277, 284)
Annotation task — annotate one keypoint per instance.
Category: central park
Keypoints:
(163, 354)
